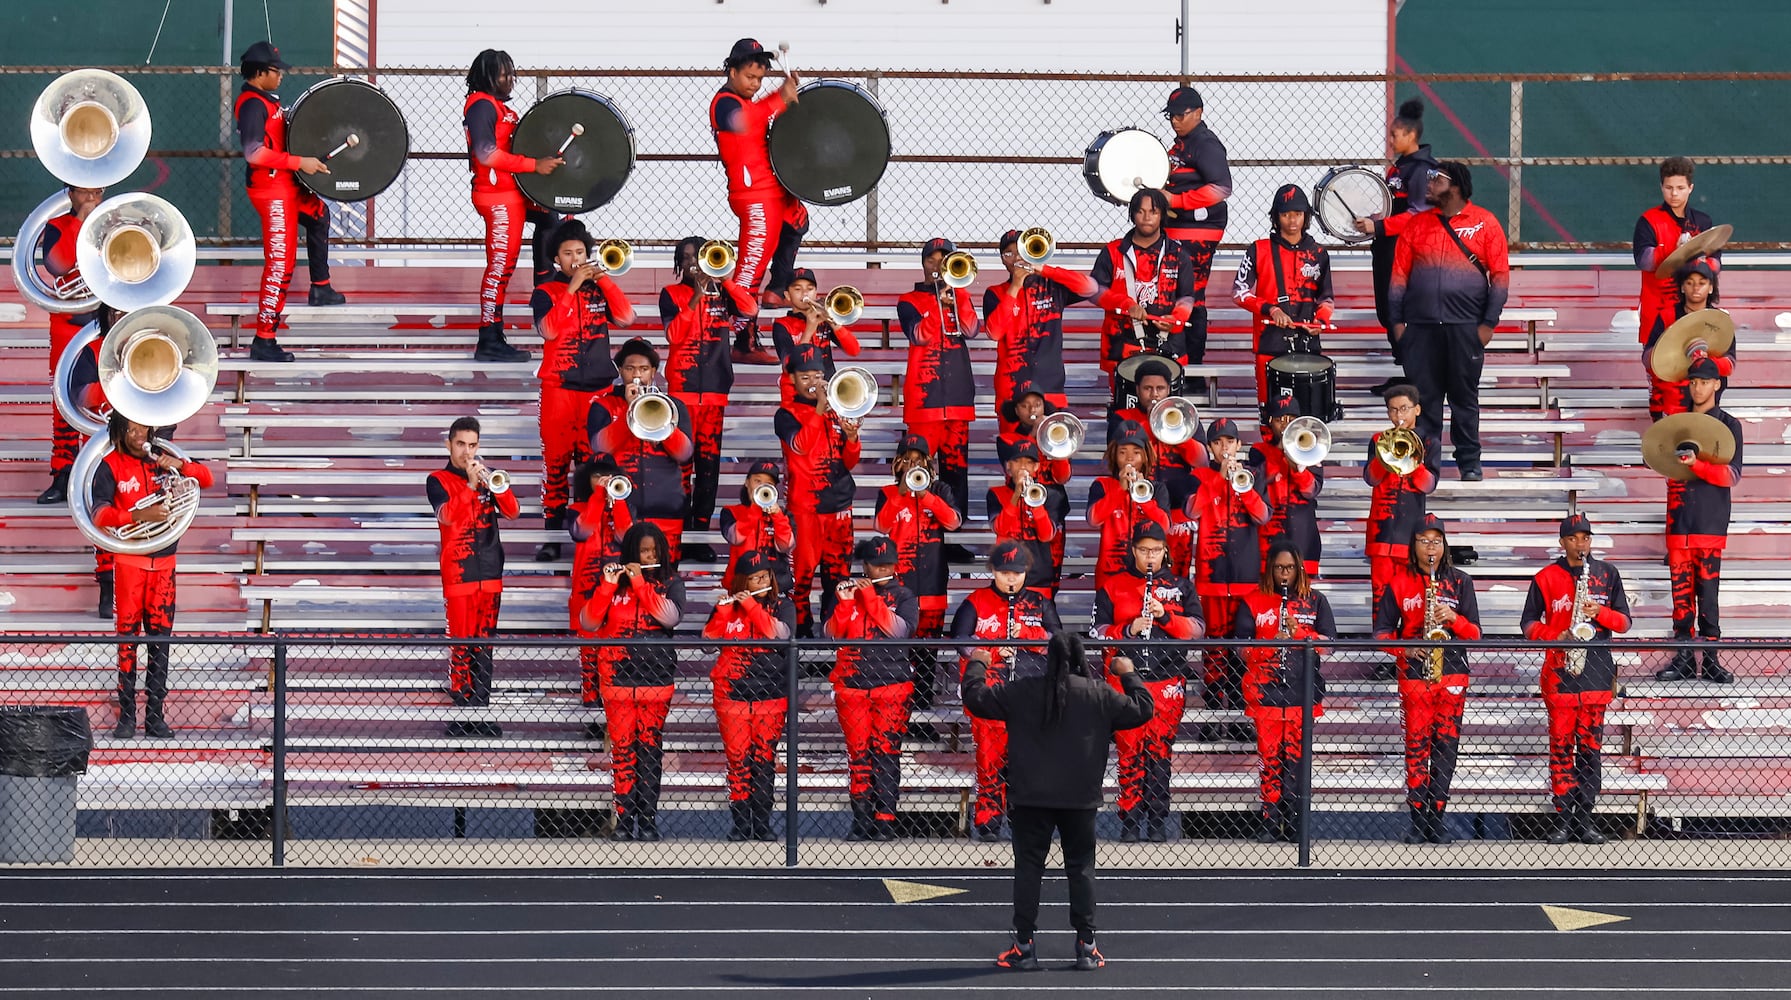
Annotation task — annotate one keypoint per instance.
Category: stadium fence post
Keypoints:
(279, 782)
(1308, 694)
(792, 712)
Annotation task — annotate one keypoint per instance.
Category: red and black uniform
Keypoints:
(772, 220)
(1228, 564)
(1275, 686)
(1294, 277)
(751, 696)
(472, 567)
(871, 688)
(786, 333)
(747, 527)
(1666, 398)
(490, 124)
(1112, 513)
(1199, 182)
(635, 682)
(938, 389)
(820, 459)
(1054, 475)
(1697, 533)
(57, 246)
(1576, 702)
(656, 468)
(1144, 753)
(1432, 709)
(575, 367)
(1407, 178)
(1658, 233)
(917, 523)
(281, 202)
(1293, 501)
(1175, 482)
(598, 525)
(1395, 507)
(144, 600)
(699, 371)
(1040, 529)
(1159, 276)
(1028, 332)
(999, 618)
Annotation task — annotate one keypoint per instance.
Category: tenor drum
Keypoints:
(1121, 162)
(832, 146)
(354, 127)
(1309, 378)
(598, 159)
(1347, 194)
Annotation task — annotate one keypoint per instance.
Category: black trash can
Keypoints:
(42, 750)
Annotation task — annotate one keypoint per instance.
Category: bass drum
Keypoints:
(1311, 379)
(832, 146)
(1347, 194)
(1121, 162)
(599, 158)
(355, 128)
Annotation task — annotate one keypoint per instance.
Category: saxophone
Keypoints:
(1581, 628)
(1433, 629)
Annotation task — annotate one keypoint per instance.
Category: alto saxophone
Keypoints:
(1433, 629)
(1581, 628)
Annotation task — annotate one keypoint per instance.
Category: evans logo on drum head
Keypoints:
(348, 185)
(838, 192)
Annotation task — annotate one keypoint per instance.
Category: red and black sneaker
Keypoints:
(1019, 955)
(1088, 957)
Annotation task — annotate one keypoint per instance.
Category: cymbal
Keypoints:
(1702, 245)
(1661, 443)
(1714, 327)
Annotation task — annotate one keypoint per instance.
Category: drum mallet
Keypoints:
(577, 130)
(349, 143)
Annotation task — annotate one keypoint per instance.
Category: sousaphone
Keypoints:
(1691, 432)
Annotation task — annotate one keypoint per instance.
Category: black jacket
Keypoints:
(1060, 766)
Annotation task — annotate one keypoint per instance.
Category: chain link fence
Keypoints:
(347, 750)
(978, 153)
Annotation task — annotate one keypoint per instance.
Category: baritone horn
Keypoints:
(651, 416)
(1036, 246)
(845, 305)
(1060, 436)
(1400, 449)
(958, 270)
(1306, 441)
(1173, 420)
(90, 128)
(852, 393)
(616, 257)
(716, 258)
(136, 250)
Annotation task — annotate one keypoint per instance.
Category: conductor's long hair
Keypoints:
(631, 549)
(481, 77)
(1066, 658)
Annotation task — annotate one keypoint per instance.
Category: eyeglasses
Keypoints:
(1284, 567)
(1400, 411)
(1150, 550)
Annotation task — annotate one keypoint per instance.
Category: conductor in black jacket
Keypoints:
(1059, 727)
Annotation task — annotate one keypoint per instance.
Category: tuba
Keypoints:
(616, 257)
(29, 280)
(651, 415)
(158, 365)
(90, 128)
(716, 258)
(845, 305)
(1400, 449)
(180, 493)
(1059, 435)
(62, 385)
(1173, 420)
(1306, 441)
(852, 393)
(136, 250)
(1036, 246)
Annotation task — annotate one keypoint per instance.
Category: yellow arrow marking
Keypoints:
(917, 892)
(1568, 919)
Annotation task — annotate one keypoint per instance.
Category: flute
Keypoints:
(731, 598)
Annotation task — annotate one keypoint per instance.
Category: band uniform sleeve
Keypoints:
(1076, 285)
(1243, 624)
(481, 130)
(904, 616)
(1430, 472)
(1324, 622)
(967, 322)
(1243, 286)
(729, 116)
(1402, 272)
(438, 500)
(1386, 614)
(1644, 246)
(1001, 311)
(668, 608)
(1102, 276)
(1049, 617)
(1615, 614)
(1103, 626)
(937, 503)
(668, 307)
(621, 311)
(679, 445)
(58, 257)
(883, 513)
(508, 507)
(1210, 163)
(786, 426)
(910, 318)
(1467, 611)
(251, 131)
(197, 472)
(1534, 622)
(541, 305)
(845, 339)
(1327, 301)
(103, 491)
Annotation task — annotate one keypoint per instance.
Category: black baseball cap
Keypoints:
(754, 561)
(1008, 449)
(1009, 556)
(1183, 99)
(804, 274)
(1280, 406)
(805, 358)
(876, 550)
(1290, 198)
(1010, 405)
(764, 467)
(1131, 432)
(265, 54)
(913, 442)
(747, 50)
(1222, 428)
(1573, 524)
(1431, 522)
(937, 244)
(1147, 530)
(1009, 238)
(1703, 368)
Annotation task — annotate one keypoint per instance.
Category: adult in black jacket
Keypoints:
(1059, 728)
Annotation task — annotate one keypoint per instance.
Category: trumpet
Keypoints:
(1139, 488)
(616, 257)
(618, 488)
(731, 598)
(1031, 493)
(1242, 480)
(765, 496)
(1306, 441)
(494, 480)
(1400, 449)
(1036, 246)
(717, 258)
(958, 270)
(918, 479)
(1173, 419)
(651, 416)
(845, 305)
(1059, 435)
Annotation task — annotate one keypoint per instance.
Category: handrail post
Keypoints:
(279, 806)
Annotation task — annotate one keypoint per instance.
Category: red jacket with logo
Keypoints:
(1227, 555)
(740, 127)
(1028, 328)
(598, 525)
(699, 333)
(575, 350)
(751, 673)
(122, 480)
(1397, 503)
(1275, 677)
(467, 517)
(788, 329)
(938, 384)
(1548, 615)
(1658, 233)
(1292, 498)
(885, 611)
(1399, 614)
(1112, 513)
(656, 468)
(1037, 528)
(1434, 282)
(490, 124)
(819, 459)
(1698, 508)
(637, 607)
(1121, 601)
(750, 528)
(1304, 294)
(1000, 618)
(917, 523)
(1162, 277)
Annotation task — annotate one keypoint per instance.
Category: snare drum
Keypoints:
(598, 159)
(1121, 162)
(832, 146)
(320, 124)
(1309, 378)
(1347, 194)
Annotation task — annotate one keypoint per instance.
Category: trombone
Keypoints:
(958, 270)
(1036, 246)
(845, 305)
(615, 257)
(1400, 449)
(717, 258)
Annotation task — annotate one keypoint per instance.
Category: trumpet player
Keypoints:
(806, 323)
(772, 220)
(640, 597)
(469, 499)
(1284, 283)
(1022, 413)
(1291, 489)
(1429, 599)
(821, 449)
(1004, 611)
(915, 512)
(1029, 513)
(574, 310)
(1024, 317)
(751, 689)
(601, 515)
(872, 686)
(132, 471)
(1149, 601)
(1176, 460)
(57, 248)
(1576, 594)
(1283, 606)
(1697, 533)
(758, 523)
(1124, 498)
(655, 468)
(1396, 502)
(1227, 511)
(1145, 287)
(938, 388)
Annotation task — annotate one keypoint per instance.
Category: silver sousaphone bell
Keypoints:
(158, 365)
(1060, 435)
(90, 128)
(136, 250)
(1307, 440)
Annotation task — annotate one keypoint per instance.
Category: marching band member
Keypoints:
(1284, 283)
(821, 449)
(1284, 606)
(1698, 531)
(772, 220)
(1659, 232)
(640, 597)
(57, 247)
(1149, 600)
(1227, 555)
(274, 191)
(939, 390)
(1036, 528)
(599, 520)
(1175, 462)
(1396, 504)
(145, 597)
(1024, 316)
(1003, 611)
(1112, 509)
(1145, 287)
(1577, 683)
(1022, 413)
(573, 312)
(1695, 289)
(700, 314)
(1426, 595)
(751, 527)
(807, 323)
(1291, 490)
(1407, 178)
(490, 122)
(916, 521)
(1199, 182)
(656, 468)
(872, 686)
(751, 690)
(468, 499)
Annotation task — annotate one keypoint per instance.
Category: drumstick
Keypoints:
(577, 130)
(1339, 196)
(348, 143)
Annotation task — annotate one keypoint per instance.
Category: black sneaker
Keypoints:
(548, 552)
(107, 606)
(57, 491)
(268, 349)
(325, 295)
(1019, 956)
(1471, 474)
(494, 347)
(1088, 957)
(1562, 831)
(1714, 671)
(1684, 667)
(154, 726)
